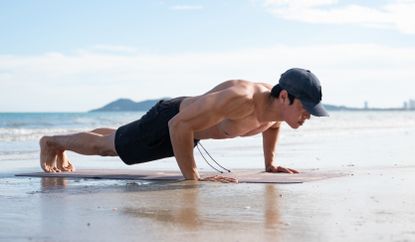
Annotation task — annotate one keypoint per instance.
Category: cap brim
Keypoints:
(315, 109)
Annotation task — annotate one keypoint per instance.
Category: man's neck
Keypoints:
(266, 110)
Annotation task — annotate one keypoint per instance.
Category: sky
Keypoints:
(77, 55)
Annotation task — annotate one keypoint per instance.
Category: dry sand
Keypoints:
(374, 204)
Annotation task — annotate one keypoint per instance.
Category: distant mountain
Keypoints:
(124, 104)
(330, 107)
(344, 108)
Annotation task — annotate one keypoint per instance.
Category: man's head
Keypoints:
(302, 85)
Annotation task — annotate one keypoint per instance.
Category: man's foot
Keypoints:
(48, 155)
(63, 163)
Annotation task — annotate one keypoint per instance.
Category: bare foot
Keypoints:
(48, 155)
(63, 162)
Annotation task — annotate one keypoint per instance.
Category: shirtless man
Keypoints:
(174, 127)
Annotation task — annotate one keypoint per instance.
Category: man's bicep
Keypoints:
(270, 136)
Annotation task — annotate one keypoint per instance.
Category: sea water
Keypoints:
(343, 140)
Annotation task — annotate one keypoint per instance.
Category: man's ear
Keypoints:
(283, 97)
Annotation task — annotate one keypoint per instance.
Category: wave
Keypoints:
(19, 134)
(65, 120)
(19, 155)
(32, 126)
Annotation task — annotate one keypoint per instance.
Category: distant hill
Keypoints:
(124, 104)
(344, 108)
(330, 107)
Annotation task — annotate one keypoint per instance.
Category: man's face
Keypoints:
(296, 115)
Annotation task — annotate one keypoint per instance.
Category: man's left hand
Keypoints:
(280, 169)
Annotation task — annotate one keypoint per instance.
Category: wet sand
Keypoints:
(373, 204)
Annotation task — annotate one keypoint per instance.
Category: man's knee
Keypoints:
(103, 150)
(108, 153)
(105, 146)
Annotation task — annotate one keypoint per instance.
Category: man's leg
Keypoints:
(96, 142)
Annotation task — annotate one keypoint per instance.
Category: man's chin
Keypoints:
(294, 126)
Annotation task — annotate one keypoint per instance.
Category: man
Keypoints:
(174, 127)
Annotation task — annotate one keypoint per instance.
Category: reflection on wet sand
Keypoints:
(51, 183)
(182, 211)
(271, 210)
(238, 211)
(198, 209)
(272, 218)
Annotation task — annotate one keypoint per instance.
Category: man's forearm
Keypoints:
(270, 139)
(269, 155)
(182, 143)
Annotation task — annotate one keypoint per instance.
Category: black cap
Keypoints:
(305, 86)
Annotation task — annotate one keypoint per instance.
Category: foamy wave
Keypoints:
(19, 155)
(16, 134)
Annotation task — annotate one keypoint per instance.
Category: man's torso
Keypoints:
(239, 126)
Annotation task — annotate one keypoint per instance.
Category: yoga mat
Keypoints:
(244, 176)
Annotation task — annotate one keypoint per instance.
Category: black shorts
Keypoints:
(148, 138)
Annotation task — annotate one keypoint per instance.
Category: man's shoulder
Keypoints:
(247, 89)
(248, 85)
(239, 86)
(242, 83)
(240, 91)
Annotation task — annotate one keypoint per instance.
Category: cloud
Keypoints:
(115, 48)
(398, 15)
(350, 73)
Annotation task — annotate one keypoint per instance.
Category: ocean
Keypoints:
(345, 139)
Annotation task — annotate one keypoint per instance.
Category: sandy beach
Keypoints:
(375, 202)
